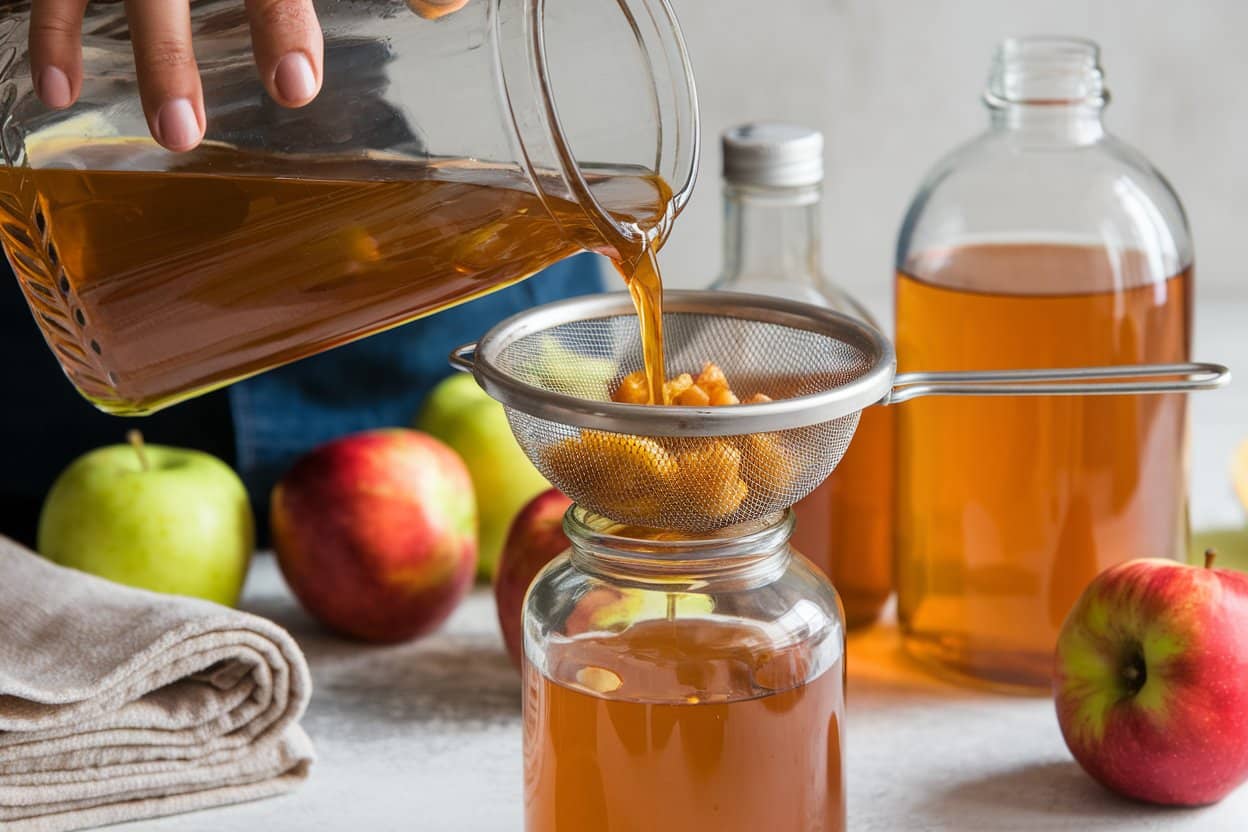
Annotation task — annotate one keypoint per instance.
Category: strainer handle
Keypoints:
(1077, 381)
(463, 357)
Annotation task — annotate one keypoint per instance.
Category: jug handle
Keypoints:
(1078, 381)
(463, 357)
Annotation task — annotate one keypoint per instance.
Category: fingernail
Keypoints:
(294, 79)
(176, 125)
(54, 87)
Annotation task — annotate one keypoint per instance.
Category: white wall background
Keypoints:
(893, 84)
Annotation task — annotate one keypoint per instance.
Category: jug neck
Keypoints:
(772, 234)
(739, 557)
(1047, 90)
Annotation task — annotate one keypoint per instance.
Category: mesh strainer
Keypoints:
(696, 469)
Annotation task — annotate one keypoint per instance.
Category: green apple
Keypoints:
(165, 519)
(463, 416)
(568, 371)
(447, 401)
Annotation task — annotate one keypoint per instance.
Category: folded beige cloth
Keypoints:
(118, 704)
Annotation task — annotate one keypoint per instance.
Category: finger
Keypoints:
(173, 99)
(433, 9)
(286, 40)
(56, 50)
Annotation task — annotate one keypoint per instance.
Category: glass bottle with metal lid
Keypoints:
(773, 190)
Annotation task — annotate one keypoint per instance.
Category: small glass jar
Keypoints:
(773, 196)
(674, 683)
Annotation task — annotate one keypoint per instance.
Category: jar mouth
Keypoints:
(589, 531)
(741, 557)
(1046, 70)
(1050, 47)
(662, 91)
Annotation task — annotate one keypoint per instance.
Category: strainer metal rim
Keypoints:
(670, 420)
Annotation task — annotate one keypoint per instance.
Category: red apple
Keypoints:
(535, 538)
(1151, 681)
(376, 533)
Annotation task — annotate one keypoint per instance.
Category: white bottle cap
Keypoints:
(772, 154)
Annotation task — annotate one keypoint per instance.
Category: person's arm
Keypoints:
(285, 36)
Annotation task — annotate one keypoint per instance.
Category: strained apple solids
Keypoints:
(637, 475)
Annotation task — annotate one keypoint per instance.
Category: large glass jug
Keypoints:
(443, 159)
(1043, 242)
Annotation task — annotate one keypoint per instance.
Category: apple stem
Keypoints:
(1210, 554)
(135, 438)
(1135, 671)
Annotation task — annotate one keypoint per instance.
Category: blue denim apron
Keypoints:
(378, 381)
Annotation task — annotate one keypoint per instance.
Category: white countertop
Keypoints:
(426, 736)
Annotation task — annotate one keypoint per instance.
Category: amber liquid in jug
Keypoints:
(765, 756)
(1008, 507)
(153, 286)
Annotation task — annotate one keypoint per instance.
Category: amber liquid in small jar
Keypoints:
(764, 751)
(682, 703)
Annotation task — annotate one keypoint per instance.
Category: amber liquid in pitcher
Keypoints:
(763, 753)
(1008, 507)
(154, 286)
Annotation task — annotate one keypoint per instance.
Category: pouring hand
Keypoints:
(285, 35)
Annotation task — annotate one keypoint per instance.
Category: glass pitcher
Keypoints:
(1043, 242)
(443, 159)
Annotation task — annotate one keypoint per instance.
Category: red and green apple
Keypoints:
(534, 540)
(1151, 681)
(376, 533)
